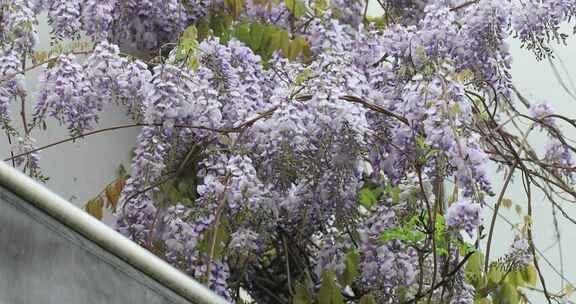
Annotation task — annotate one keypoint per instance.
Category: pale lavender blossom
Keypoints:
(219, 274)
(535, 22)
(12, 86)
(559, 156)
(18, 31)
(30, 160)
(464, 215)
(541, 112)
(63, 96)
(464, 292)
(64, 17)
(520, 251)
(244, 242)
(98, 16)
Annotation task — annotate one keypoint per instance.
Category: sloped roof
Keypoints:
(23, 198)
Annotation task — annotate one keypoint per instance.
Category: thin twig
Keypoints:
(290, 290)
(531, 240)
(441, 283)
(39, 64)
(464, 5)
(493, 222)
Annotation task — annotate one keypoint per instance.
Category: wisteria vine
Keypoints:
(302, 151)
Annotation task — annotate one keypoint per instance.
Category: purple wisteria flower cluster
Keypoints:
(13, 87)
(463, 215)
(74, 92)
(300, 150)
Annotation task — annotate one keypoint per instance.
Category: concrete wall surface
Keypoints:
(43, 261)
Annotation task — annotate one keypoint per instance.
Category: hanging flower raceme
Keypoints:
(29, 160)
(560, 157)
(557, 153)
(98, 16)
(537, 22)
(63, 96)
(64, 17)
(386, 264)
(18, 32)
(542, 113)
(464, 215)
(520, 254)
(11, 84)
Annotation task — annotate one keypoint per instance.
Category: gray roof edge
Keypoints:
(106, 237)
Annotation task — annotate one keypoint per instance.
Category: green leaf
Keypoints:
(394, 192)
(243, 33)
(494, 274)
(421, 142)
(296, 47)
(473, 268)
(530, 276)
(189, 34)
(475, 263)
(225, 139)
(296, 7)
(329, 293)
(351, 262)
(187, 46)
(235, 7)
(406, 234)
(221, 26)
(264, 40)
(320, 6)
(193, 63)
(440, 223)
(221, 239)
(507, 294)
(303, 295)
(367, 198)
(203, 27)
(256, 36)
(270, 42)
(523, 277)
(367, 299)
(440, 236)
(284, 40)
(303, 76)
(51, 63)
